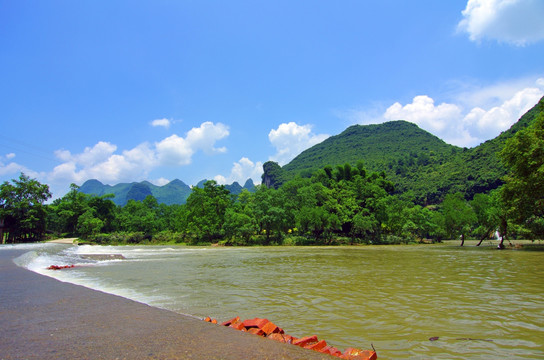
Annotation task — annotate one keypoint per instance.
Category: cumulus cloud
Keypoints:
(161, 122)
(176, 150)
(465, 125)
(290, 139)
(242, 170)
(204, 137)
(517, 22)
(9, 167)
(160, 181)
(106, 163)
(100, 162)
(15, 168)
(423, 112)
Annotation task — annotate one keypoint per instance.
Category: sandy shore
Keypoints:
(43, 318)
(63, 241)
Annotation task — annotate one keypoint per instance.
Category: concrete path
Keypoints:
(43, 318)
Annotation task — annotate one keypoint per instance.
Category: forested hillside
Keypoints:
(343, 204)
(417, 162)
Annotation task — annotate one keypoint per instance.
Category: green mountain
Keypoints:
(413, 159)
(175, 192)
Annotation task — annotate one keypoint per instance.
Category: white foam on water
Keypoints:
(42, 256)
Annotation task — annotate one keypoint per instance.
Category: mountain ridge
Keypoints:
(417, 162)
(174, 192)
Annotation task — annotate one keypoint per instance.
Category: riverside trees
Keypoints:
(22, 213)
(345, 204)
(334, 206)
(523, 193)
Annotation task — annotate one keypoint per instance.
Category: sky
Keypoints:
(124, 91)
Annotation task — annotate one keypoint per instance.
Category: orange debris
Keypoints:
(255, 323)
(60, 267)
(265, 328)
(305, 341)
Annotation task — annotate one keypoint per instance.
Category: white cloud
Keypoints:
(499, 118)
(104, 163)
(517, 22)
(204, 137)
(290, 139)
(442, 120)
(15, 168)
(8, 167)
(100, 162)
(464, 124)
(161, 122)
(424, 113)
(160, 181)
(242, 170)
(176, 150)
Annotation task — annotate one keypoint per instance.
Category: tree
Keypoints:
(140, 216)
(239, 224)
(458, 215)
(523, 155)
(22, 210)
(64, 213)
(88, 224)
(268, 207)
(486, 215)
(206, 209)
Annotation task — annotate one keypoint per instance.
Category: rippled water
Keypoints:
(479, 303)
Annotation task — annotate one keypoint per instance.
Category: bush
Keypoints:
(396, 240)
(294, 240)
(118, 238)
(168, 236)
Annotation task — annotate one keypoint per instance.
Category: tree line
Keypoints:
(336, 205)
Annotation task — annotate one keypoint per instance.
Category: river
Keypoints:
(428, 301)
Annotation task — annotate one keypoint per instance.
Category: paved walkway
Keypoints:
(43, 318)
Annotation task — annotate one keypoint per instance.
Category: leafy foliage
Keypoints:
(22, 213)
(418, 189)
(414, 160)
(523, 154)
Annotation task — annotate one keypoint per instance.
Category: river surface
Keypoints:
(409, 302)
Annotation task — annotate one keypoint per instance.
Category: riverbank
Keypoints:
(43, 318)
(64, 241)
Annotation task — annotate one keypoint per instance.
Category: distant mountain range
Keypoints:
(175, 192)
(417, 162)
(421, 165)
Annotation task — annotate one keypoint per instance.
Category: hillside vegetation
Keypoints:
(406, 186)
(418, 163)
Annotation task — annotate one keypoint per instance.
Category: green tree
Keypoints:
(239, 225)
(206, 209)
(22, 210)
(64, 213)
(89, 224)
(140, 216)
(458, 216)
(523, 155)
(268, 207)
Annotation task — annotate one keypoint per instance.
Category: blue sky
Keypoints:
(125, 91)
